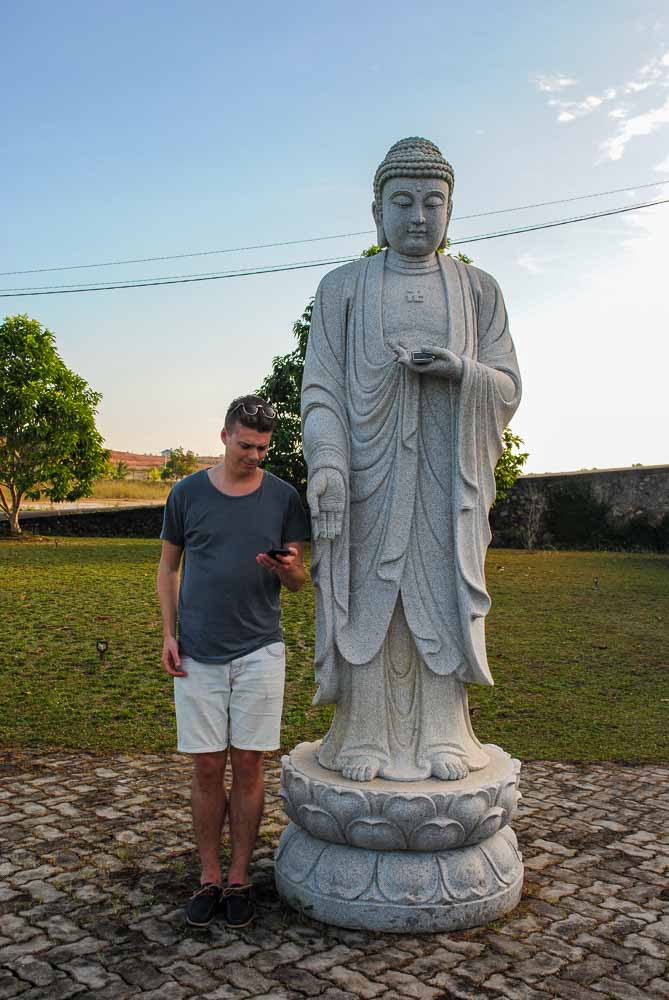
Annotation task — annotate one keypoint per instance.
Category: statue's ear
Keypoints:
(444, 238)
(381, 240)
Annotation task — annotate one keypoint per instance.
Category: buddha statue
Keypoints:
(409, 380)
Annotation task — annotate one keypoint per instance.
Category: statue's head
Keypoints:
(413, 197)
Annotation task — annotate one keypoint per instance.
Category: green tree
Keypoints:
(119, 471)
(49, 445)
(510, 464)
(180, 463)
(282, 389)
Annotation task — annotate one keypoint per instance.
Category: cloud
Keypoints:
(643, 124)
(530, 263)
(630, 125)
(554, 83)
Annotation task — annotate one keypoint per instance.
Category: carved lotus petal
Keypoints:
(344, 805)
(490, 824)
(508, 798)
(298, 789)
(375, 835)
(467, 878)
(437, 835)
(322, 824)
(502, 855)
(344, 872)
(299, 853)
(469, 809)
(287, 805)
(410, 879)
(408, 812)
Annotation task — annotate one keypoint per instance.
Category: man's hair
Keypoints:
(258, 422)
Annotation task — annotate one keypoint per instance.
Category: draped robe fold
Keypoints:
(417, 453)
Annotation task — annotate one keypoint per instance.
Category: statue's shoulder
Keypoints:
(480, 281)
(341, 279)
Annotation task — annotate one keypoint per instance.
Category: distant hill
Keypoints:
(137, 462)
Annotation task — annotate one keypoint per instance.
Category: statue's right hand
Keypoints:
(326, 496)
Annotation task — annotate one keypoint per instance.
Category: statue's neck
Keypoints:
(411, 265)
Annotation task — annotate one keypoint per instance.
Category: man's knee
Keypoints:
(247, 765)
(209, 768)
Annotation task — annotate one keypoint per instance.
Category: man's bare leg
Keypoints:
(247, 797)
(209, 804)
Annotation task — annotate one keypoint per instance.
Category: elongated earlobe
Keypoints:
(381, 240)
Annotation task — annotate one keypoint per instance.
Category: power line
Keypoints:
(319, 239)
(300, 265)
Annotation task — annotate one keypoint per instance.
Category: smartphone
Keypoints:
(422, 357)
(273, 553)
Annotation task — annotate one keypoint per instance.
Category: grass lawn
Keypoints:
(582, 672)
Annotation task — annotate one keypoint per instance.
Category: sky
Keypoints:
(156, 129)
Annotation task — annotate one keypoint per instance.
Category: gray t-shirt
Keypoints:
(228, 604)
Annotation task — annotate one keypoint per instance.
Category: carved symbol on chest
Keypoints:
(414, 297)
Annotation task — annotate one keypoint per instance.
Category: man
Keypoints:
(228, 662)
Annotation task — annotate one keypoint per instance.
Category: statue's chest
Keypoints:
(415, 303)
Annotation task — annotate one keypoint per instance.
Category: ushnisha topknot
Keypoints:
(414, 157)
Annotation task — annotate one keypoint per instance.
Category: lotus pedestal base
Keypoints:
(402, 857)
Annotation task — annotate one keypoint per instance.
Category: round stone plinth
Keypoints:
(399, 891)
(384, 815)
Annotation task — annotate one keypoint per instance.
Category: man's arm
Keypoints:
(168, 594)
(290, 569)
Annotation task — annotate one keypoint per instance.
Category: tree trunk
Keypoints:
(14, 526)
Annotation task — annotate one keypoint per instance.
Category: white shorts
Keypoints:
(237, 703)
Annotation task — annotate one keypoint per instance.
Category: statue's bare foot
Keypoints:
(448, 767)
(361, 768)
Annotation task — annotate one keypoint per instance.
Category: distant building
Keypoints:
(166, 454)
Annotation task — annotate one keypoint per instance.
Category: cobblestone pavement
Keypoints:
(96, 858)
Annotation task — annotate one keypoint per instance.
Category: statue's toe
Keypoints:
(448, 767)
(361, 769)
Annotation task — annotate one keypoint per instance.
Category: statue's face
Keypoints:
(415, 212)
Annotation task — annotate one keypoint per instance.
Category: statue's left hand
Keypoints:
(446, 364)
(326, 496)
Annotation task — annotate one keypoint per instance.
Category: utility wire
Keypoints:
(299, 265)
(319, 239)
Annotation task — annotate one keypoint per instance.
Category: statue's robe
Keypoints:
(417, 453)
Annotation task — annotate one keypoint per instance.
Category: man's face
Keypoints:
(245, 448)
(414, 214)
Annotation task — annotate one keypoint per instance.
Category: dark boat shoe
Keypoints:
(239, 905)
(201, 908)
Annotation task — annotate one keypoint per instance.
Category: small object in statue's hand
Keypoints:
(422, 357)
(273, 553)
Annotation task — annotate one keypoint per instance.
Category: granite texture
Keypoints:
(401, 451)
(401, 462)
(394, 816)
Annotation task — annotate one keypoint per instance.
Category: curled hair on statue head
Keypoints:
(250, 411)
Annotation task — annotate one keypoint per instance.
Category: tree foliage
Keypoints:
(510, 464)
(119, 470)
(49, 445)
(282, 389)
(180, 463)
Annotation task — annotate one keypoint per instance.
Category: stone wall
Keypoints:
(116, 522)
(608, 508)
(611, 508)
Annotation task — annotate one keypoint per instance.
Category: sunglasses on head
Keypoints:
(251, 409)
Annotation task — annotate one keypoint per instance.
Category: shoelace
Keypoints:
(208, 889)
(236, 889)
